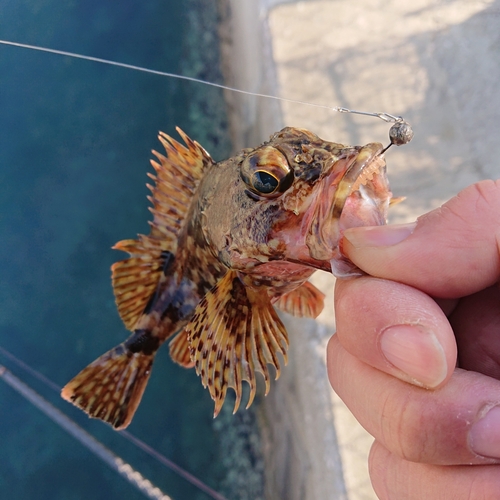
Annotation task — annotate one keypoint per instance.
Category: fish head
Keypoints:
(289, 201)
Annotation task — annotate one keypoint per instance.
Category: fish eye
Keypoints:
(266, 172)
(264, 182)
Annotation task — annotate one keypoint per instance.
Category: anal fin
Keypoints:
(235, 332)
(306, 301)
(111, 387)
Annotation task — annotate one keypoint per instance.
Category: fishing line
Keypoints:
(386, 117)
(92, 443)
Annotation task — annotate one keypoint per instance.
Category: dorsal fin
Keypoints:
(233, 333)
(306, 301)
(136, 279)
(177, 177)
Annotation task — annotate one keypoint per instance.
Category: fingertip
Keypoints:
(396, 329)
(417, 352)
(377, 250)
(378, 236)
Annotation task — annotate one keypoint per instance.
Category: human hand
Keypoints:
(430, 288)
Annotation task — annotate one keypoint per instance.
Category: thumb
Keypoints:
(450, 252)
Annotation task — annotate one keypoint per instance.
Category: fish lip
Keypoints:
(324, 233)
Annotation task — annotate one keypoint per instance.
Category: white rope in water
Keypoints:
(133, 439)
(115, 462)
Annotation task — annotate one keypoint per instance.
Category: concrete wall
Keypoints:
(248, 65)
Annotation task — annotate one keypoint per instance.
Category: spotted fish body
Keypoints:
(229, 242)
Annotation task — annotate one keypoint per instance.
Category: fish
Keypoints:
(230, 242)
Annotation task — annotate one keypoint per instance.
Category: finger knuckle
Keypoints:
(404, 426)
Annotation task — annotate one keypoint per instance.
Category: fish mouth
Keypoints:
(361, 198)
(367, 165)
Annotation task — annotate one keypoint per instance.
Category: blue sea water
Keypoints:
(75, 142)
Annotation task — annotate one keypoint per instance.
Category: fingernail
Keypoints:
(416, 352)
(376, 236)
(484, 436)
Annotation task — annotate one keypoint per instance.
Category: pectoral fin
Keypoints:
(179, 350)
(235, 332)
(305, 301)
(396, 199)
(136, 279)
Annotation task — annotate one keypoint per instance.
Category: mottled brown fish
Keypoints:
(230, 241)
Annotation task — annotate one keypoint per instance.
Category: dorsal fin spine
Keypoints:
(169, 173)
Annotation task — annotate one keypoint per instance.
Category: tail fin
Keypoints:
(111, 387)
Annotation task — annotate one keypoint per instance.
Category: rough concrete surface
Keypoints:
(436, 63)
